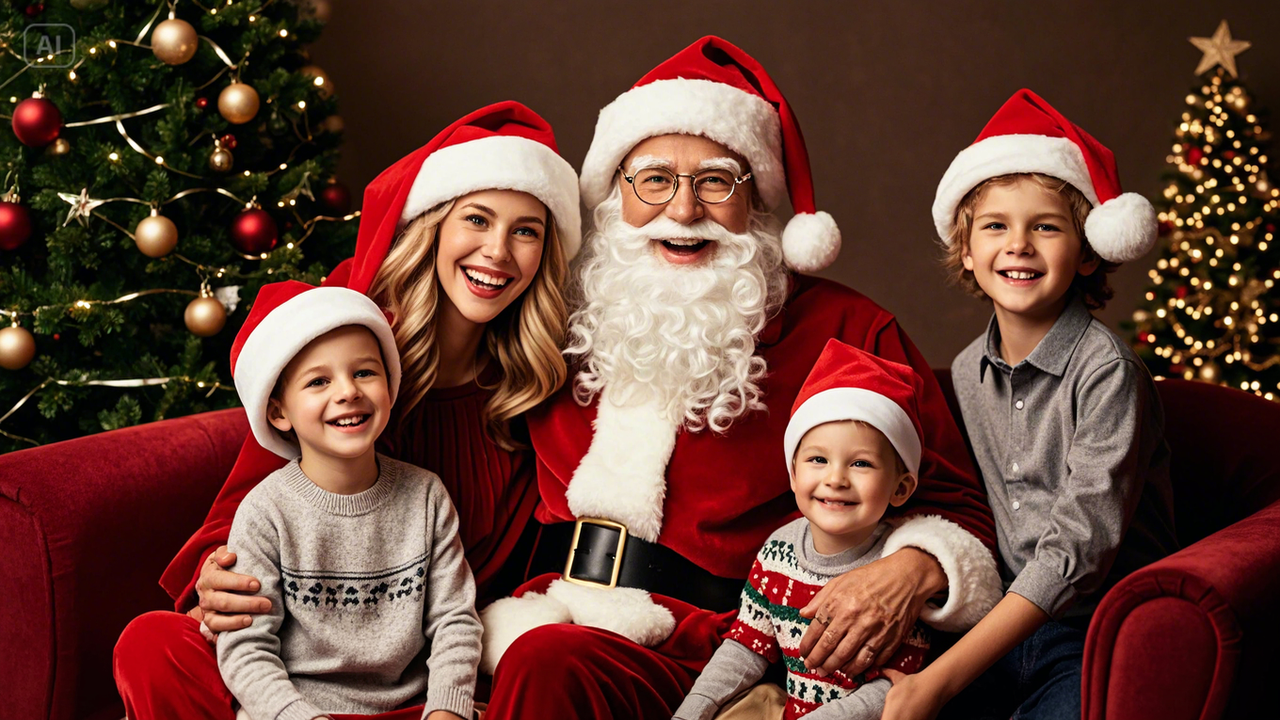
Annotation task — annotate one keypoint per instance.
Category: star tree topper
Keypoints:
(1220, 49)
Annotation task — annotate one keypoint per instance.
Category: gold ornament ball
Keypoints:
(205, 316)
(156, 236)
(332, 124)
(1209, 372)
(220, 160)
(238, 103)
(320, 80)
(174, 41)
(59, 147)
(17, 348)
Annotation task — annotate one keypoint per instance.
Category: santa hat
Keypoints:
(850, 384)
(1028, 136)
(285, 317)
(505, 146)
(717, 91)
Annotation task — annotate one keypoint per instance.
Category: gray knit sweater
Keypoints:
(372, 601)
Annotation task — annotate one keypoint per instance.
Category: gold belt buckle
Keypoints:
(617, 557)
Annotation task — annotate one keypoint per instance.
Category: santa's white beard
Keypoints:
(680, 336)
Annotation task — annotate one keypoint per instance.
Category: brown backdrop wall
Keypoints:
(887, 93)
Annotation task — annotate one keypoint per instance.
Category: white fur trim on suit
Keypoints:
(741, 121)
(1123, 228)
(1008, 155)
(870, 407)
(974, 586)
(623, 476)
(500, 163)
(284, 332)
(630, 612)
(811, 242)
(509, 618)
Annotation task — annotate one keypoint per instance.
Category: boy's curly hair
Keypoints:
(1093, 288)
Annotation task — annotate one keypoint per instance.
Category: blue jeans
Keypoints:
(1037, 680)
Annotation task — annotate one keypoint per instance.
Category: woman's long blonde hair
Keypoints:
(525, 338)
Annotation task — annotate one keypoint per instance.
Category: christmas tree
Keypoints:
(166, 160)
(1211, 312)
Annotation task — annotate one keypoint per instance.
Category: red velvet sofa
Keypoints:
(87, 526)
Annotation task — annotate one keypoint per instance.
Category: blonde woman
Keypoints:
(465, 244)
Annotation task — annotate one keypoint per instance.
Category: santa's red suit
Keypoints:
(707, 500)
(724, 495)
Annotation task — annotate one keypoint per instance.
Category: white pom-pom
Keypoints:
(1123, 228)
(509, 618)
(811, 242)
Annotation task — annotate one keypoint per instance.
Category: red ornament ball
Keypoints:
(36, 122)
(1194, 155)
(336, 197)
(15, 226)
(202, 102)
(228, 141)
(34, 10)
(1166, 227)
(253, 232)
(1181, 292)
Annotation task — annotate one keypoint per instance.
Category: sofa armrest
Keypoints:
(1183, 637)
(87, 526)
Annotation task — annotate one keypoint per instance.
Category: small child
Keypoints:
(853, 447)
(1063, 417)
(372, 601)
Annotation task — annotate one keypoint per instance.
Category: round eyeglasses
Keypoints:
(657, 186)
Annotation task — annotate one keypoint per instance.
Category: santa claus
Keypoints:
(661, 465)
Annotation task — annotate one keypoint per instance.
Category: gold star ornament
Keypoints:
(1220, 49)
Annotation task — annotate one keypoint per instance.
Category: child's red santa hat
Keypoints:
(1027, 135)
(850, 384)
(716, 90)
(505, 146)
(285, 317)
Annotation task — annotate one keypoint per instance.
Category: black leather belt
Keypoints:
(601, 553)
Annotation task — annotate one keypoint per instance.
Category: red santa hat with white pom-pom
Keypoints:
(715, 90)
(1027, 135)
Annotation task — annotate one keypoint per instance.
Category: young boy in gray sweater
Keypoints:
(372, 601)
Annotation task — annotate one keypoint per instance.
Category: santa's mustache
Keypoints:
(626, 237)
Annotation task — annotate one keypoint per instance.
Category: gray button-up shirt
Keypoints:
(1070, 443)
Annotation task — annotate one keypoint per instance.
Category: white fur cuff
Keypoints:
(509, 618)
(630, 612)
(974, 586)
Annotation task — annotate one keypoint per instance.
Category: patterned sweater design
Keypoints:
(769, 624)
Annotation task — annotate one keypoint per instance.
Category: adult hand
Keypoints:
(860, 617)
(223, 594)
(912, 697)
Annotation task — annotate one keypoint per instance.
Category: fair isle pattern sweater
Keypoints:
(372, 601)
(787, 573)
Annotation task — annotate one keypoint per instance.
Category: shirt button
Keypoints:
(1016, 505)
(1018, 404)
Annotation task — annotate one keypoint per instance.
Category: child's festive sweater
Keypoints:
(787, 573)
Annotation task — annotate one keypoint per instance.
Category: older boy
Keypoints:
(372, 601)
(1064, 419)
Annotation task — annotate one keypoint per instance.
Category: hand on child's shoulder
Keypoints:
(912, 697)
